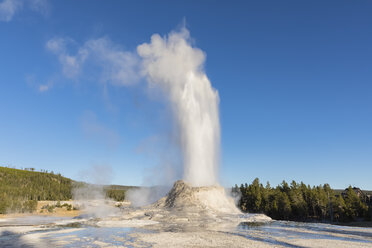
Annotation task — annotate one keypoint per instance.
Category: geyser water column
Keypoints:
(177, 67)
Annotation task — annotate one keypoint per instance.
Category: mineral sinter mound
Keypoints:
(196, 205)
(184, 197)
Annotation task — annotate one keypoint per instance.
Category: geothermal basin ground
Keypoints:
(186, 217)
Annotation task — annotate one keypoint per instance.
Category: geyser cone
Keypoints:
(184, 197)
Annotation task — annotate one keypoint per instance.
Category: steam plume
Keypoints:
(173, 64)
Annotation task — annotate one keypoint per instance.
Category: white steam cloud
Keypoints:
(175, 66)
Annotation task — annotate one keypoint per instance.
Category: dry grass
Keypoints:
(60, 212)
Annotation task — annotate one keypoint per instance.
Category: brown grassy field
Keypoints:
(42, 211)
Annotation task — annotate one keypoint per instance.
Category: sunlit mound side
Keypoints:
(187, 198)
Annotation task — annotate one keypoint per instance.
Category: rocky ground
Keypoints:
(186, 217)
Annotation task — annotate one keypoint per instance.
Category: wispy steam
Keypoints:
(33, 82)
(146, 195)
(91, 197)
(8, 8)
(115, 65)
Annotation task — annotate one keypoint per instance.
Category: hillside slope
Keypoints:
(21, 189)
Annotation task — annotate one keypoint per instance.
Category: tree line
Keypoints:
(300, 202)
(20, 189)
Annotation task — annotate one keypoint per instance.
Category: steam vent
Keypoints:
(187, 198)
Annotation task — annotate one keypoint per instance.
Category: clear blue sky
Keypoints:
(294, 79)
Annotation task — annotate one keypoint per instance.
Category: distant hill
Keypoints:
(21, 189)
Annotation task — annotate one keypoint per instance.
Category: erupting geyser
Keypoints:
(177, 67)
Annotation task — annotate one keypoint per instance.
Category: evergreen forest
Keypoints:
(20, 189)
(301, 202)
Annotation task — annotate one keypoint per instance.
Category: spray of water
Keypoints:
(174, 65)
